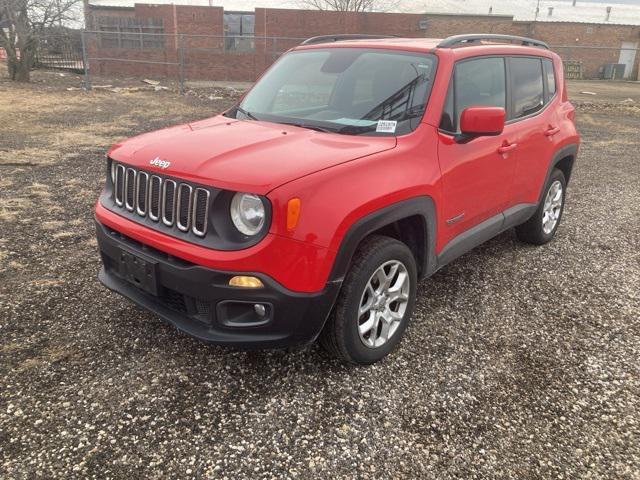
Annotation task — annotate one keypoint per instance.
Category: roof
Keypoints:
(584, 11)
(492, 45)
(399, 43)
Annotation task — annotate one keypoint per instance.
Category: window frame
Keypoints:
(545, 94)
(509, 103)
(545, 74)
(452, 85)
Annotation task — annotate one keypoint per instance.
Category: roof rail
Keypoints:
(464, 39)
(342, 37)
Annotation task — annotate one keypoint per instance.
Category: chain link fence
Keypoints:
(180, 57)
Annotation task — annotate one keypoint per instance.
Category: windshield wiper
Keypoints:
(412, 112)
(311, 127)
(357, 129)
(246, 113)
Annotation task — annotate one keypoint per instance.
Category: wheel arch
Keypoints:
(412, 221)
(564, 160)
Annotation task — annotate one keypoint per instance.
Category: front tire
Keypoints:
(542, 226)
(375, 303)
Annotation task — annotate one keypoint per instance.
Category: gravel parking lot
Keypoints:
(521, 362)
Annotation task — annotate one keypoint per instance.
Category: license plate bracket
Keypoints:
(139, 271)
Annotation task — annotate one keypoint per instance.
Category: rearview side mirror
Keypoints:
(481, 122)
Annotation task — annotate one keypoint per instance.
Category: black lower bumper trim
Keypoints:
(199, 301)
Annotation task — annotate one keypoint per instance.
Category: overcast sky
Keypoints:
(612, 2)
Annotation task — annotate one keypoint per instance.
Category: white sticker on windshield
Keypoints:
(386, 126)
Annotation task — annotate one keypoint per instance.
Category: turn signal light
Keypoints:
(242, 281)
(293, 213)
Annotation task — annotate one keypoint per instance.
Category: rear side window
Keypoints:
(476, 82)
(550, 77)
(527, 85)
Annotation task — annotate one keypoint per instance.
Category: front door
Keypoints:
(476, 175)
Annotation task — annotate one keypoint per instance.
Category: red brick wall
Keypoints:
(306, 23)
(575, 35)
(205, 57)
(136, 65)
(197, 21)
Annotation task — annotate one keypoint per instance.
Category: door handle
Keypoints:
(551, 131)
(507, 147)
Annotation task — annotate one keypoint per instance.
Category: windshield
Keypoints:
(343, 90)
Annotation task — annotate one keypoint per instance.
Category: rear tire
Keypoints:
(375, 303)
(542, 226)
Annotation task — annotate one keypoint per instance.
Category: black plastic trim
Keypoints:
(570, 150)
(221, 233)
(454, 40)
(343, 37)
(294, 318)
(422, 206)
(484, 231)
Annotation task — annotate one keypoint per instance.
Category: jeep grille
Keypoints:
(175, 204)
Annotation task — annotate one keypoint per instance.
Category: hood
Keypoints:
(241, 155)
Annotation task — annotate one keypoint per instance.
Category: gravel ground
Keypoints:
(521, 362)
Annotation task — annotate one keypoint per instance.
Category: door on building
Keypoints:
(628, 57)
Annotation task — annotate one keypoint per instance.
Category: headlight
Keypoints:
(247, 213)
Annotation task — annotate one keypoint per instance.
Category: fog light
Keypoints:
(260, 310)
(242, 281)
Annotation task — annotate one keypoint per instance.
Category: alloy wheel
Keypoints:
(552, 207)
(383, 304)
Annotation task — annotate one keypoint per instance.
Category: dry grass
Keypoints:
(90, 122)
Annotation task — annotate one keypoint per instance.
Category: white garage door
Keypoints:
(628, 57)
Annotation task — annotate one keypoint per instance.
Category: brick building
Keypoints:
(209, 42)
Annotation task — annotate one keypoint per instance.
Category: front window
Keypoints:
(476, 82)
(343, 90)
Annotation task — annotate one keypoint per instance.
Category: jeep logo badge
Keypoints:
(158, 162)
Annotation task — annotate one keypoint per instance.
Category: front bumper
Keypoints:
(199, 301)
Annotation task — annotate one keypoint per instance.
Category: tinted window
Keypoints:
(550, 77)
(528, 91)
(477, 82)
(447, 122)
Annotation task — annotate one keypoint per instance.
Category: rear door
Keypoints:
(533, 115)
(476, 176)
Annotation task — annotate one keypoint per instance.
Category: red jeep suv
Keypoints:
(354, 167)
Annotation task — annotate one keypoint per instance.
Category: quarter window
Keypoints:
(527, 86)
(550, 77)
(476, 82)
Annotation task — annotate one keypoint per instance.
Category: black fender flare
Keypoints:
(570, 150)
(422, 206)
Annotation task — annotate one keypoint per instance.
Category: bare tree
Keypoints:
(25, 22)
(350, 5)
